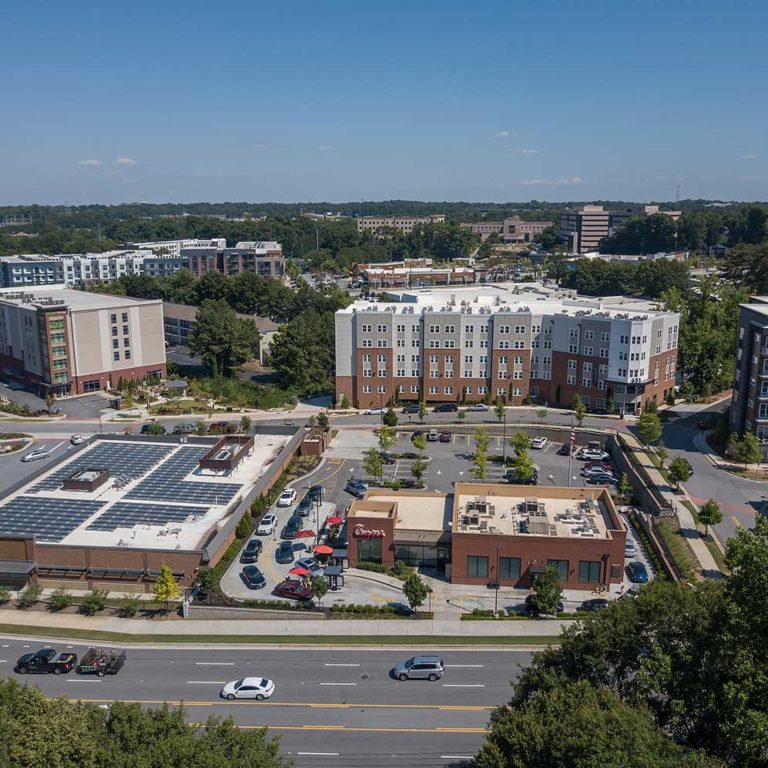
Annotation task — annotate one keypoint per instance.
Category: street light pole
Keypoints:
(570, 451)
(504, 438)
(498, 585)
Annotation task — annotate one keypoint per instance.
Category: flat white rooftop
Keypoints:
(75, 300)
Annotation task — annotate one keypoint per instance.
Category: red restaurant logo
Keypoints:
(366, 533)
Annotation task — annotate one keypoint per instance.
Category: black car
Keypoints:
(387, 458)
(292, 527)
(304, 507)
(153, 428)
(253, 577)
(45, 661)
(315, 492)
(564, 450)
(284, 552)
(533, 609)
(412, 408)
(446, 408)
(598, 604)
(251, 552)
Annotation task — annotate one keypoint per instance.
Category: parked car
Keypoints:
(592, 454)
(596, 604)
(77, 438)
(315, 492)
(481, 407)
(539, 443)
(446, 408)
(637, 572)
(258, 688)
(387, 458)
(44, 662)
(629, 549)
(601, 480)
(251, 552)
(304, 507)
(357, 488)
(410, 408)
(416, 433)
(284, 552)
(445, 437)
(374, 411)
(36, 455)
(184, 429)
(311, 565)
(266, 524)
(595, 471)
(253, 577)
(606, 466)
(292, 527)
(564, 449)
(293, 590)
(511, 477)
(433, 436)
(420, 668)
(153, 428)
(287, 497)
(532, 607)
(218, 427)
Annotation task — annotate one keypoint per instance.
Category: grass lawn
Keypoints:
(715, 551)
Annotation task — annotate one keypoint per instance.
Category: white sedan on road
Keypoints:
(258, 688)
(374, 412)
(480, 407)
(287, 497)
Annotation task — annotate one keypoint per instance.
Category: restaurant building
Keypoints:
(486, 532)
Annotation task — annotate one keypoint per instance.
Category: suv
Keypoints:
(292, 527)
(446, 408)
(251, 552)
(45, 661)
(284, 552)
(266, 524)
(357, 488)
(511, 477)
(637, 572)
(420, 668)
(315, 492)
(538, 443)
(184, 429)
(445, 437)
(410, 408)
(433, 436)
(304, 507)
(314, 568)
(253, 577)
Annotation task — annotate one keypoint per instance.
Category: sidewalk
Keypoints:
(688, 527)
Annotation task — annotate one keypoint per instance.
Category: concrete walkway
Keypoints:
(688, 526)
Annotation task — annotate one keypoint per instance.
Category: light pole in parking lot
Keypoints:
(504, 438)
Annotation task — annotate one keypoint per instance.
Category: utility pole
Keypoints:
(504, 438)
(572, 443)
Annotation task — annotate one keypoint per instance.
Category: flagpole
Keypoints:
(571, 441)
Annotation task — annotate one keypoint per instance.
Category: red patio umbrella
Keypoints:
(334, 520)
(299, 571)
(306, 534)
(323, 549)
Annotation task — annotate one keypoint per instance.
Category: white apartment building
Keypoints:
(174, 247)
(475, 345)
(403, 224)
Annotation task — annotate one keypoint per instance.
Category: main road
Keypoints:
(331, 707)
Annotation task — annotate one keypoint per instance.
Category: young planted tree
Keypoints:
(420, 464)
(390, 418)
(748, 450)
(482, 439)
(480, 465)
(623, 489)
(245, 424)
(649, 427)
(579, 410)
(462, 415)
(678, 471)
(415, 590)
(166, 587)
(710, 514)
(500, 409)
(422, 410)
(520, 441)
(386, 436)
(201, 428)
(524, 468)
(542, 414)
(547, 591)
(344, 402)
(663, 454)
(319, 587)
(373, 464)
(322, 420)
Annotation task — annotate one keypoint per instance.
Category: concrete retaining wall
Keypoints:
(213, 613)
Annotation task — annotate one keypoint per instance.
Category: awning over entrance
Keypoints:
(422, 537)
(16, 567)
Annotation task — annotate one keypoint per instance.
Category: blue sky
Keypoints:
(342, 101)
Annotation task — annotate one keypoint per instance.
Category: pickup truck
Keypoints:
(45, 661)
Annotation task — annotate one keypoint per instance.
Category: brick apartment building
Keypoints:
(510, 230)
(263, 258)
(64, 342)
(473, 345)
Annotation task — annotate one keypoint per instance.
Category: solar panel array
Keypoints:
(126, 515)
(130, 460)
(47, 519)
(166, 484)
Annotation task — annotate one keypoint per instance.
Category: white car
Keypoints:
(539, 443)
(77, 439)
(629, 549)
(287, 497)
(258, 688)
(36, 455)
(375, 411)
(591, 454)
(478, 407)
(266, 525)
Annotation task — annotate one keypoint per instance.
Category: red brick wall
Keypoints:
(375, 523)
(105, 377)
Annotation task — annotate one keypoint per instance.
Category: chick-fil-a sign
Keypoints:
(368, 533)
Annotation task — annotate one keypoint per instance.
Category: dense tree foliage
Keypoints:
(38, 731)
(747, 265)
(643, 234)
(598, 277)
(694, 657)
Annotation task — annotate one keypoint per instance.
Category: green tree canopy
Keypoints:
(649, 427)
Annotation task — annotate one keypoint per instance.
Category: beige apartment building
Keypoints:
(60, 341)
(474, 345)
(510, 230)
(403, 224)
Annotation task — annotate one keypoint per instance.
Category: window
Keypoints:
(517, 391)
(503, 329)
(589, 335)
(571, 365)
(381, 328)
(477, 567)
(501, 392)
(381, 343)
(509, 568)
(127, 354)
(450, 329)
(605, 336)
(482, 390)
(573, 349)
(382, 388)
(114, 330)
(586, 382)
(519, 329)
(434, 329)
(603, 352)
(113, 319)
(503, 345)
(115, 343)
(125, 317)
(589, 571)
(571, 380)
(503, 375)
(433, 390)
(367, 328)
(448, 391)
(588, 351)
(561, 566)
(414, 389)
(125, 330)
(367, 343)
(115, 355)
(369, 550)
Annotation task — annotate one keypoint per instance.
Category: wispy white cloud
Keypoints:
(326, 147)
(125, 161)
(750, 178)
(505, 135)
(551, 182)
(90, 161)
(521, 151)
(749, 157)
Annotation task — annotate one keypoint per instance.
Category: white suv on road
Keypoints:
(287, 497)
(266, 525)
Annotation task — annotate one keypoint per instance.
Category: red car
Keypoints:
(292, 590)
(599, 465)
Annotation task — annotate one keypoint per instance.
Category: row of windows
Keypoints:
(510, 568)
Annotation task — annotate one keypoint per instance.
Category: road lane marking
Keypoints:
(206, 682)
(214, 663)
(318, 705)
(342, 665)
(338, 683)
(735, 519)
(460, 685)
(80, 680)
(455, 757)
(465, 666)
(319, 754)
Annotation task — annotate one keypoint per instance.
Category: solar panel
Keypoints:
(127, 515)
(45, 519)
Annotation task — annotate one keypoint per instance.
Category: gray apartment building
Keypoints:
(475, 346)
(749, 401)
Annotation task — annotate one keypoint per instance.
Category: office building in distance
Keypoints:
(60, 341)
(510, 230)
(486, 344)
(403, 224)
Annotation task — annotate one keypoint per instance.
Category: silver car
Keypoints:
(420, 668)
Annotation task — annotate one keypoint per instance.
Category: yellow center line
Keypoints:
(736, 521)
(223, 702)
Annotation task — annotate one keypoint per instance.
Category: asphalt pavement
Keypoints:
(330, 707)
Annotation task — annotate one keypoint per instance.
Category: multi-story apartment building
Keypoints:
(60, 341)
(511, 230)
(582, 228)
(386, 276)
(749, 401)
(263, 258)
(404, 224)
(473, 346)
(30, 269)
(174, 247)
